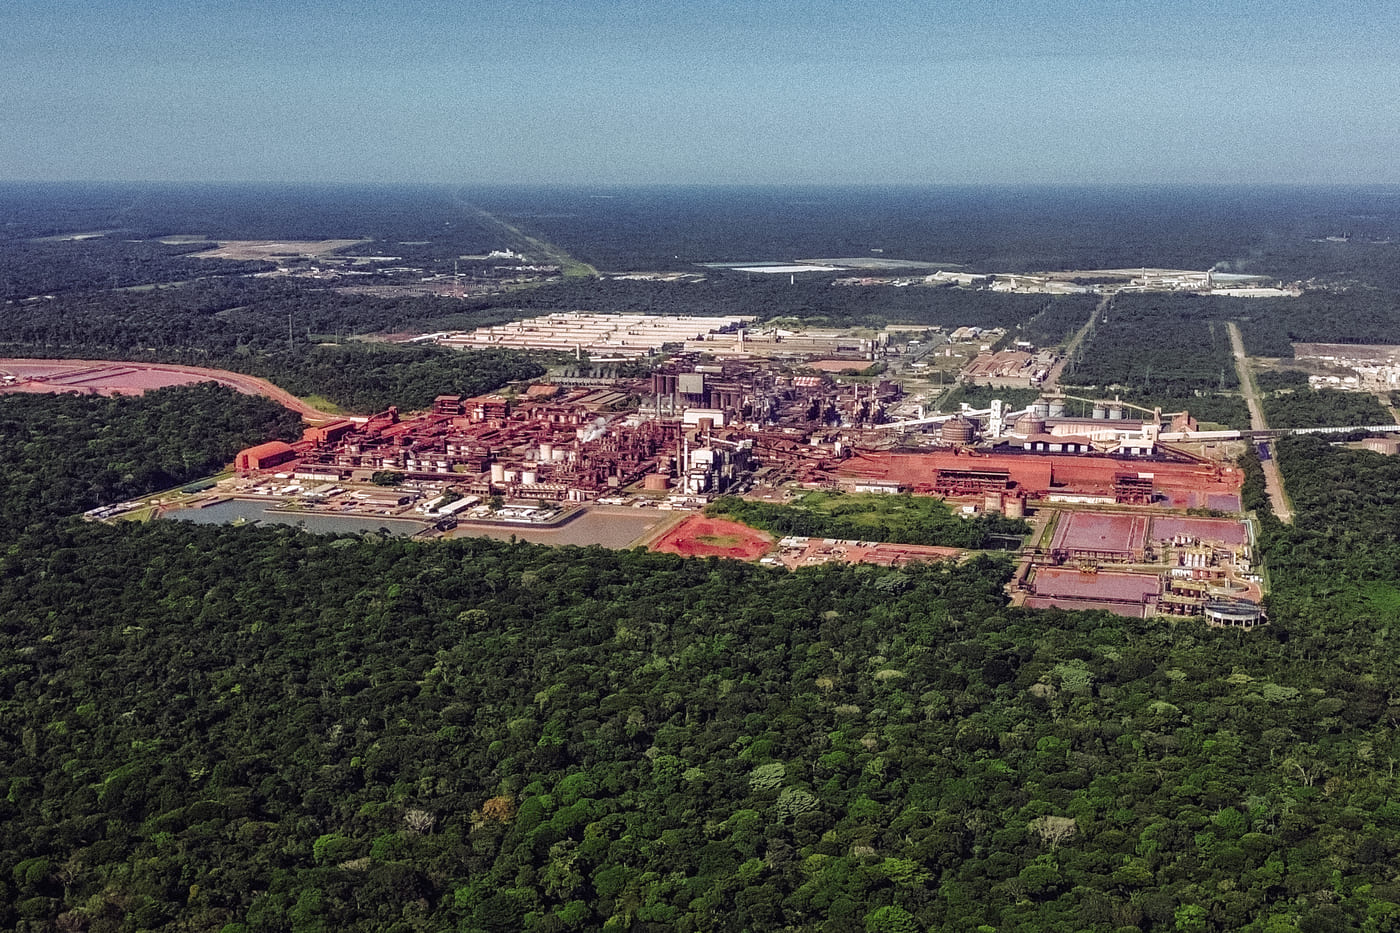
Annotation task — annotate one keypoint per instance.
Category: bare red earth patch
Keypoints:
(700, 536)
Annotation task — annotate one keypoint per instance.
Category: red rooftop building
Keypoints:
(264, 456)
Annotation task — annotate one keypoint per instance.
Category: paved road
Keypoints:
(248, 385)
(1273, 479)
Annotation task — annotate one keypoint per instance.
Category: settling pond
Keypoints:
(232, 510)
(612, 528)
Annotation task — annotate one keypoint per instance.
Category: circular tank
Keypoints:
(1233, 612)
(958, 430)
(656, 482)
(1057, 408)
(546, 451)
(1099, 410)
(529, 477)
(1041, 408)
(1115, 412)
(1029, 424)
(498, 473)
(992, 502)
(1015, 507)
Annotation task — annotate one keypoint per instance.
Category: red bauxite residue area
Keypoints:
(699, 536)
(1220, 530)
(1100, 531)
(106, 377)
(1127, 587)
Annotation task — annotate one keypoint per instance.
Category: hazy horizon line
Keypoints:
(634, 186)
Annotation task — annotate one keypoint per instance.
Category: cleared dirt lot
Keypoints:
(274, 249)
(699, 536)
(107, 377)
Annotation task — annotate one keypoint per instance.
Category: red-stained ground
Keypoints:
(1107, 585)
(1185, 484)
(105, 377)
(699, 536)
(1100, 531)
(1129, 610)
(1215, 530)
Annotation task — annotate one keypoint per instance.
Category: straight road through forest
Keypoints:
(1273, 479)
(1052, 380)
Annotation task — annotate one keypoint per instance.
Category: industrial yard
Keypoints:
(619, 461)
(1135, 510)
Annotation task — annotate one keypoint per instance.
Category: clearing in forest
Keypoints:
(275, 249)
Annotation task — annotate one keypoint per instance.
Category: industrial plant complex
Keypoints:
(1125, 513)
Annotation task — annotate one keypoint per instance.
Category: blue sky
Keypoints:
(706, 91)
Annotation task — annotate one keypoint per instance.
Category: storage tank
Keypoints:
(1099, 410)
(1015, 507)
(992, 502)
(656, 482)
(1041, 408)
(958, 430)
(1029, 424)
(1057, 408)
(546, 451)
(529, 477)
(511, 476)
(1115, 412)
(498, 473)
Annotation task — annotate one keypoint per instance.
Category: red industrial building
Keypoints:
(1038, 475)
(264, 456)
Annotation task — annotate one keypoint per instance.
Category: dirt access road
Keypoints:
(108, 377)
(1273, 479)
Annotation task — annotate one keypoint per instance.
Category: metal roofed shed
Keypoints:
(264, 456)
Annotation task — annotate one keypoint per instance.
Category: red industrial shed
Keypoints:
(264, 456)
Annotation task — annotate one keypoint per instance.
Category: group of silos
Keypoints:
(529, 474)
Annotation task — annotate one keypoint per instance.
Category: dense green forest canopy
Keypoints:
(250, 729)
(1316, 408)
(1157, 342)
(242, 325)
(30, 269)
(1343, 549)
(1207, 406)
(1355, 313)
(369, 377)
(262, 729)
(901, 519)
(64, 454)
(217, 317)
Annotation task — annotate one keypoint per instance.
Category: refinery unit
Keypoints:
(698, 427)
(527, 448)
